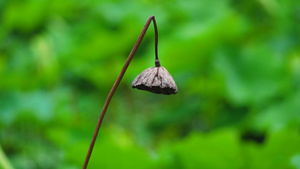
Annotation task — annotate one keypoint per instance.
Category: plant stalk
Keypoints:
(117, 82)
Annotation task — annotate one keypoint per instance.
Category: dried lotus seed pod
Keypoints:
(157, 80)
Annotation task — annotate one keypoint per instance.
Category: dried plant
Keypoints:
(155, 79)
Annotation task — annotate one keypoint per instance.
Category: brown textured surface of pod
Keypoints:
(156, 80)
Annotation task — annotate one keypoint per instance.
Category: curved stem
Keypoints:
(157, 63)
(116, 84)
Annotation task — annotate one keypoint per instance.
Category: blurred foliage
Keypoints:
(236, 64)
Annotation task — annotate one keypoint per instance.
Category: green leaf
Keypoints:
(4, 162)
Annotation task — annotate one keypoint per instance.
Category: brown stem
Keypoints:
(116, 84)
(157, 63)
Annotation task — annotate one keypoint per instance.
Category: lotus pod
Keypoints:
(157, 80)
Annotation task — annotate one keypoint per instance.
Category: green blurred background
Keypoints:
(236, 64)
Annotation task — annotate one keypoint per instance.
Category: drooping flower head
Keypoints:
(157, 80)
